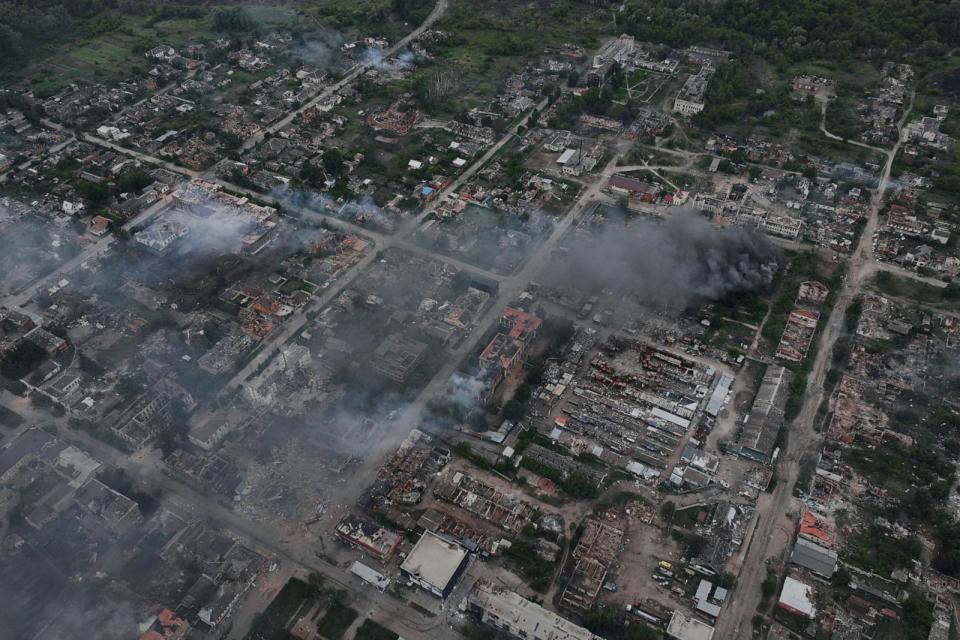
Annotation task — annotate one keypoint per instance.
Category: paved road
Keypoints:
(145, 468)
(773, 510)
(823, 129)
(37, 159)
(180, 497)
(143, 157)
(645, 166)
(93, 250)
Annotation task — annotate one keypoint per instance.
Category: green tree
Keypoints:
(514, 410)
(333, 161)
(667, 510)
(232, 19)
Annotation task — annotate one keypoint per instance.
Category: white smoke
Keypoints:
(374, 57)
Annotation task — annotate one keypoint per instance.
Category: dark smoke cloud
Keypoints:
(674, 265)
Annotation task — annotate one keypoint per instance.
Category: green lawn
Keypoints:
(901, 287)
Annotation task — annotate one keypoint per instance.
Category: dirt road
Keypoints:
(773, 510)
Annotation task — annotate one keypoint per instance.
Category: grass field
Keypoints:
(111, 56)
(272, 16)
(900, 287)
(118, 54)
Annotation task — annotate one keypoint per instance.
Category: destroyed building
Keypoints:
(397, 356)
(598, 547)
(367, 536)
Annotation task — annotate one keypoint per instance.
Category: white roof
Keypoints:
(642, 470)
(434, 560)
(703, 590)
(719, 395)
(370, 576)
(708, 608)
(566, 156)
(414, 164)
(525, 616)
(798, 596)
(683, 628)
(669, 417)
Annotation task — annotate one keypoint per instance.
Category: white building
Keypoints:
(521, 618)
(435, 564)
(683, 628)
(797, 598)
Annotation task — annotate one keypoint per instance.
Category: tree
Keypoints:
(841, 579)
(579, 485)
(514, 410)
(918, 616)
(94, 193)
(769, 586)
(333, 161)
(407, 10)
(312, 175)
(727, 580)
(21, 360)
(523, 392)
(232, 19)
(667, 510)
(11, 43)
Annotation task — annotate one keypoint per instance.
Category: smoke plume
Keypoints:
(374, 57)
(673, 265)
(463, 391)
(321, 50)
(362, 210)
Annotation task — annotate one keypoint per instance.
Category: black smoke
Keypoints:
(673, 265)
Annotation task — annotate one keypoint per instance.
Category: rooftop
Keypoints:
(797, 597)
(812, 556)
(522, 617)
(683, 628)
(434, 560)
(766, 415)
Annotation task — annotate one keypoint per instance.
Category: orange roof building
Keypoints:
(521, 325)
(166, 626)
(817, 529)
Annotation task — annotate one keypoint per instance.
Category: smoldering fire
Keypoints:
(673, 265)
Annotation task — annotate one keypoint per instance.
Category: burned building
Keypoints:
(598, 547)
(504, 353)
(397, 356)
(368, 536)
(151, 413)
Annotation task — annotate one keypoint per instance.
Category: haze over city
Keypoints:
(436, 319)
